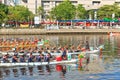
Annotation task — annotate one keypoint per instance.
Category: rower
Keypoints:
(14, 59)
(64, 55)
(40, 58)
(30, 59)
(22, 59)
(87, 46)
(78, 48)
(47, 58)
(15, 53)
(5, 59)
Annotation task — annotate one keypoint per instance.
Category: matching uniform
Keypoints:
(14, 59)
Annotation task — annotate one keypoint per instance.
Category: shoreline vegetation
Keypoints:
(37, 31)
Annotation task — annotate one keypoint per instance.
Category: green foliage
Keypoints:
(20, 13)
(3, 8)
(80, 11)
(106, 11)
(64, 11)
(40, 10)
(3, 12)
(91, 12)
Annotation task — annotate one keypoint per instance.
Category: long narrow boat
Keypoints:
(92, 54)
(54, 54)
(19, 64)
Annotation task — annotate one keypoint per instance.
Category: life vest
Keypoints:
(14, 60)
(81, 55)
(46, 59)
(22, 59)
(58, 58)
(38, 59)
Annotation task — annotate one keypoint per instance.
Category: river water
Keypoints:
(108, 69)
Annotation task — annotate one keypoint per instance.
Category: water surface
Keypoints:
(110, 61)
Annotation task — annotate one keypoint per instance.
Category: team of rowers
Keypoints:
(32, 43)
(25, 58)
(8, 44)
(38, 49)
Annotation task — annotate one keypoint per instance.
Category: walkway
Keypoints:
(59, 31)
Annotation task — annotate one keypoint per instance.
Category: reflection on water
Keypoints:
(71, 71)
(56, 40)
(23, 71)
(15, 72)
(1, 75)
(61, 72)
(48, 70)
(30, 70)
(40, 70)
(61, 69)
(7, 72)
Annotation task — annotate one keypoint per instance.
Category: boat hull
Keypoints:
(37, 63)
(54, 54)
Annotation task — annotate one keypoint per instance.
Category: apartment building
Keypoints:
(49, 4)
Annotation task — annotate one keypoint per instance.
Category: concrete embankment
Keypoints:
(59, 31)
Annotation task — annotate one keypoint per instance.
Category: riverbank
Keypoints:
(59, 31)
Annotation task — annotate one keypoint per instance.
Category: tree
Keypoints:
(64, 11)
(19, 14)
(80, 12)
(90, 13)
(106, 11)
(3, 12)
(40, 11)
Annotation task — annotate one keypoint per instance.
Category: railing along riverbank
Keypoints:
(38, 31)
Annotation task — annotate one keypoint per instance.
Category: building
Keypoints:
(11, 2)
(49, 4)
(0, 1)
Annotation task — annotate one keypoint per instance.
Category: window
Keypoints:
(95, 2)
(46, 1)
(25, 1)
